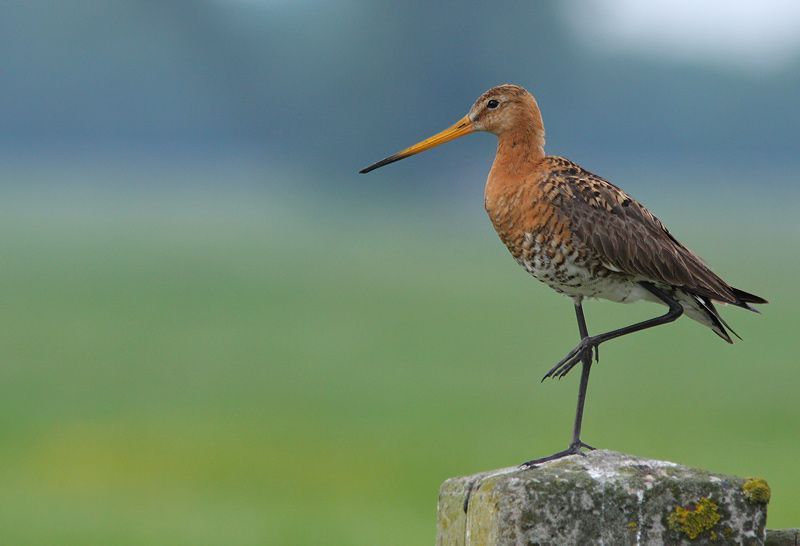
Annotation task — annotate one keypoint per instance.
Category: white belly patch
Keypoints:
(561, 269)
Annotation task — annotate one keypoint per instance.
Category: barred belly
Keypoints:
(565, 269)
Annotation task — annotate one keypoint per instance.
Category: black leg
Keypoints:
(588, 345)
(576, 444)
(584, 352)
(585, 369)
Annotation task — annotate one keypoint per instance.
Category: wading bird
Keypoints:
(581, 235)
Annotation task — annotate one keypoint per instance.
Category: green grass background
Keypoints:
(295, 370)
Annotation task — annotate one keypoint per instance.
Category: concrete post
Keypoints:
(783, 537)
(603, 498)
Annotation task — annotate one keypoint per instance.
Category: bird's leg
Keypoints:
(583, 353)
(585, 369)
(589, 344)
(576, 445)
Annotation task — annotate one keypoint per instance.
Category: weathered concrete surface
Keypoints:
(783, 537)
(603, 498)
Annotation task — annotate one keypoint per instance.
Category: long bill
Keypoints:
(462, 127)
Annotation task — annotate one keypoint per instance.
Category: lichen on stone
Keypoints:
(695, 519)
(757, 490)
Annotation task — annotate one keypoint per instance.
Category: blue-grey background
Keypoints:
(215, 332)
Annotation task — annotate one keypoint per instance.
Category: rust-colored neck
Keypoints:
(510, 188)
(519, 149)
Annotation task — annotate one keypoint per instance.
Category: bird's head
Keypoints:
(503, 108)
(499, 110)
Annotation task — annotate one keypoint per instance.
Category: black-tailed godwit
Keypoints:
(581, 235)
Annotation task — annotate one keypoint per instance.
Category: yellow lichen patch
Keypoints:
(757, 490)
(696, 519)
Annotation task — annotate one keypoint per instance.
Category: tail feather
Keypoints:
(720, 327)
(743, 298)
(717, 319)
(701, 309)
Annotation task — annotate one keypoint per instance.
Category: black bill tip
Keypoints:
(381, 163)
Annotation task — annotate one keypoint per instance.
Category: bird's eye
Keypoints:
(492, 103)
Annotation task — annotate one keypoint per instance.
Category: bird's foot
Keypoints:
(588, 347)
(575, 448)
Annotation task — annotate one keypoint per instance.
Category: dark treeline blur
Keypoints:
(330, 86)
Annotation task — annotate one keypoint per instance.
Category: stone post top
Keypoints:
(604, 497)
(604, 466)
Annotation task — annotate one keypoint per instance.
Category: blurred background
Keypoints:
(215, 332)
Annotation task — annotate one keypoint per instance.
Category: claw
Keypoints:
(587, 349)
(569, 365)
(535, 462)
(574, 449)
(564, 362)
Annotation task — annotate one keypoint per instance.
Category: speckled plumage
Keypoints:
(581, 235)
(574, 231)
(585, 237)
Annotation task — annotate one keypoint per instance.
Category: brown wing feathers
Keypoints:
(630, 239)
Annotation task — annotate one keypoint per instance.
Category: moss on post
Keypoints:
(695, 519)
(757, 490)
(604, 497)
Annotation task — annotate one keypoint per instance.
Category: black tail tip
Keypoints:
(749, 307)
(743, 298)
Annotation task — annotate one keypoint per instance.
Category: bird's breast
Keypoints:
(540, 240)
(563, 266)
(524, 215)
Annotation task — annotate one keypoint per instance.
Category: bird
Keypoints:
(581, 235)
